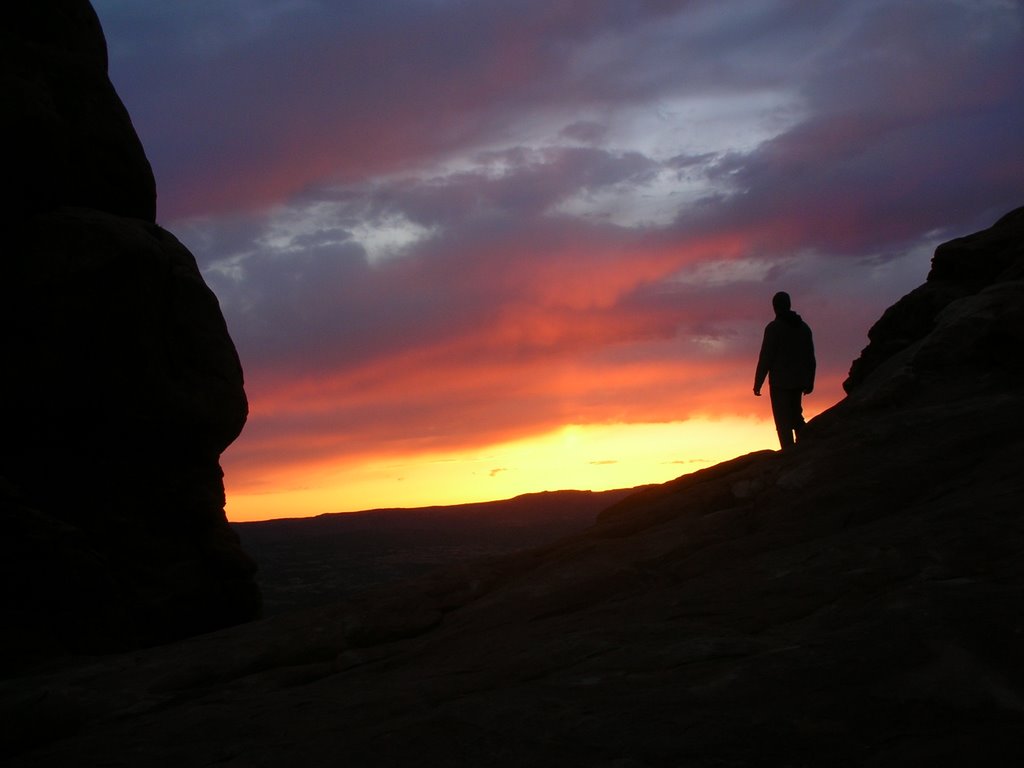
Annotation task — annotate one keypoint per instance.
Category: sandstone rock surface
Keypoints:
(121, 385)
(68, 139)
(853, 602)
(960, 268)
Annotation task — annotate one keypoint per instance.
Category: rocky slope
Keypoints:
(121, 385)
(853, 602)
(306, 562)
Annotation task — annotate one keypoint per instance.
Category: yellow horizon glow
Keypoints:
(595, 457)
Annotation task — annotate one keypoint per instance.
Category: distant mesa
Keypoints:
(121, 385)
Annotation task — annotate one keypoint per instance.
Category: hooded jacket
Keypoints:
(787, 354)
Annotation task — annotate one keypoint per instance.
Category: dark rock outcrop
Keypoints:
(960, 268)
(853, 602)
(121, 385)
(68, 139)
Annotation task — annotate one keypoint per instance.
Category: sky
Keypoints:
(469, 249)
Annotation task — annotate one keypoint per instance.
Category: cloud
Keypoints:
(901, 116)
(434, 225)
(372, 90)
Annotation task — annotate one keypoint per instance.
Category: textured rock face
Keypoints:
(961, 268)
(68, 140)
(121, 385)
(853, 602)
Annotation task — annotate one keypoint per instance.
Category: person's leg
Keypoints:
(798, 413)
(787, 412)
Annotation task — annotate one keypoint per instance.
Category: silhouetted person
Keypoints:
(787, 359)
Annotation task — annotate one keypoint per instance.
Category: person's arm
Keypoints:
(812, 364)
(764, 359)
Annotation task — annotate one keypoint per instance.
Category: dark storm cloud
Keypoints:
(903, 114)
(275, 90)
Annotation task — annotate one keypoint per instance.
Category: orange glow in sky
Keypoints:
(472, 250)
(324, 475)
(591, 457)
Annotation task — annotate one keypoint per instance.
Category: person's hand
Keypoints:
(757, 391)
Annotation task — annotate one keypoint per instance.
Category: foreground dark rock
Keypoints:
(121, 386)
(853, 602)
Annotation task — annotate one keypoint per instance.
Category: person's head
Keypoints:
(781, 302)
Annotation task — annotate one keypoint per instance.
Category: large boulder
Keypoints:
(121, 385)
(68, 139)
